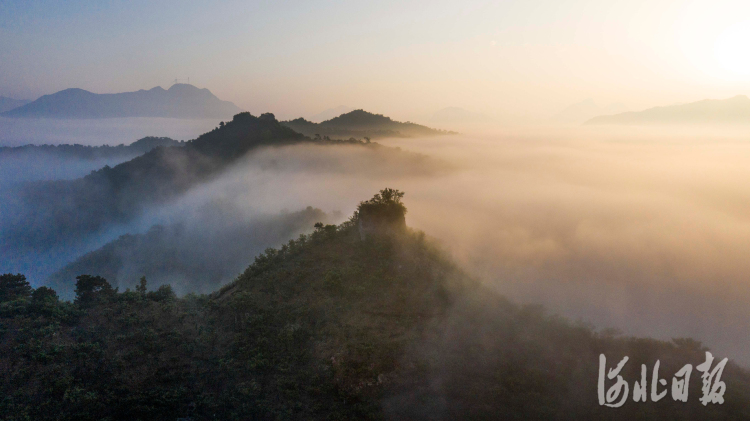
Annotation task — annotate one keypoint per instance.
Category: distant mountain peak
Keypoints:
(582, 111)
(179, 101)
(184, 87)
(734, 110)
(358, 118)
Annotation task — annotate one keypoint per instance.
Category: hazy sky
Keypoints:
(403, 58)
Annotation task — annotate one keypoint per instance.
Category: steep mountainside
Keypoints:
(359, 123)
(329, 326)
(179, 101)
(734, 110)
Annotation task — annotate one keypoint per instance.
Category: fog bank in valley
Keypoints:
(641, 231)
(110, 131)
(644, 232)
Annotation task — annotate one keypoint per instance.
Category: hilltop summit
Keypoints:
(384, 214)
(179, 101)
(360, 123)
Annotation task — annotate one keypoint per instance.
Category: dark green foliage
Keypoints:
(162, 294)
(387, 202)
(90, 289)
(141, 287)
(44, 295)
(13, 287)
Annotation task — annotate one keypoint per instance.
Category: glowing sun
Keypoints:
(732, 48)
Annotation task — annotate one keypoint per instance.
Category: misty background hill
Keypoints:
(179, 101)
(360, 123)
(731, 111)
(7, 104)
(583, 111)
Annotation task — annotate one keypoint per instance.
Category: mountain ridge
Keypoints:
(734, 110)
(361, 123)
(179, 101)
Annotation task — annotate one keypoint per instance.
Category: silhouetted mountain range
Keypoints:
(136, 148)
(7, 104)
(735, 110)
(360, 123)
(179, 101)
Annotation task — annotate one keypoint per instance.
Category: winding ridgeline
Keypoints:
(366, 320)
(179, 101)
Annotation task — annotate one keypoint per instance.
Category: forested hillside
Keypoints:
(343, 323)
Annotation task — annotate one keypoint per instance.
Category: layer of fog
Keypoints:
(210, 243)
(33, 165)
(639, 231)
(108, 131)
(218, 222)
(645, 234)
